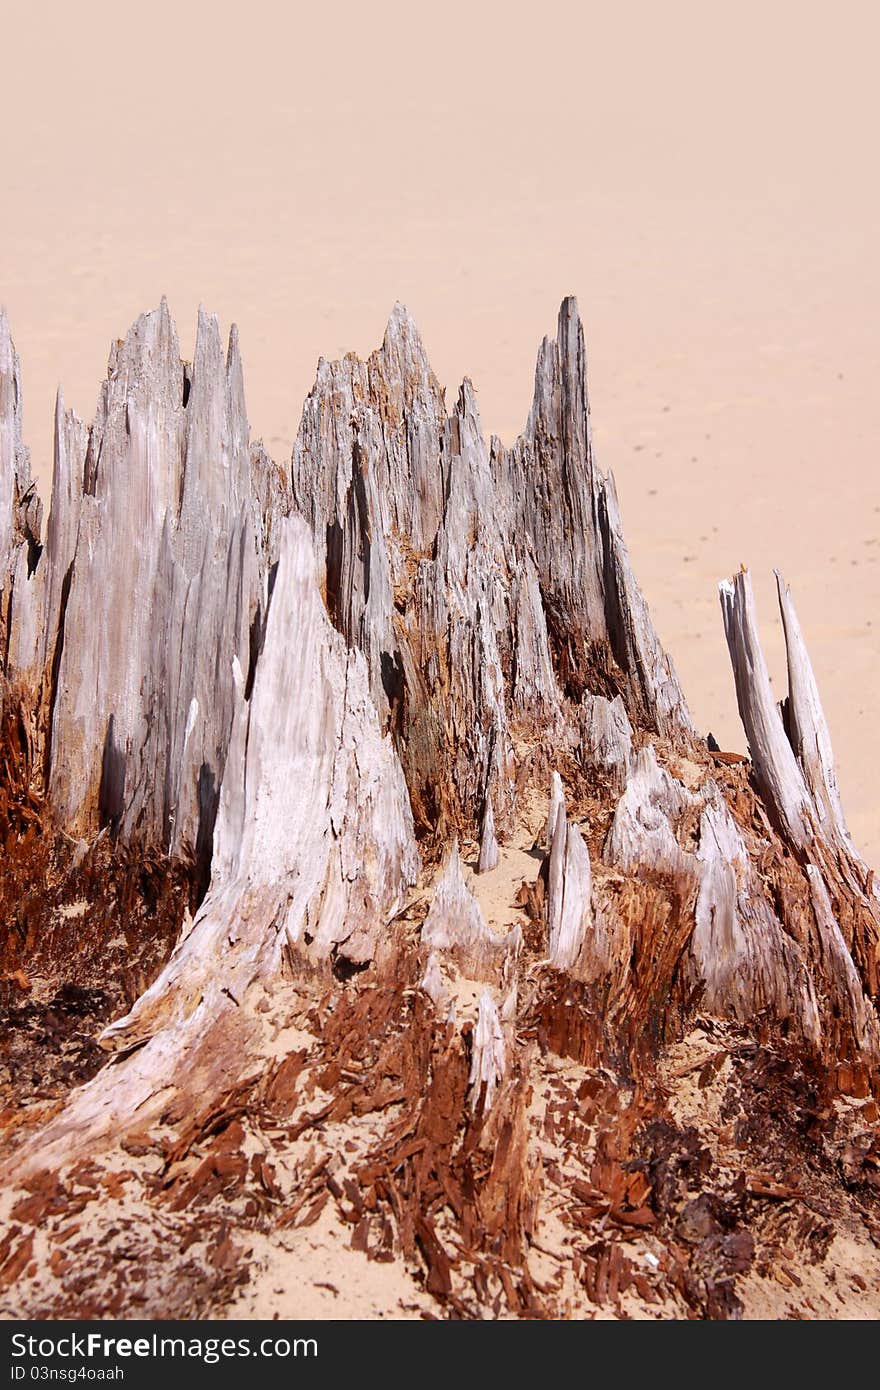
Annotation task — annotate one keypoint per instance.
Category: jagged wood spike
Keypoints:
(569, 894)
(456, 927)
(776, 767)
(806, 726)
(489, 852)
(557, 802)
(743, 958)
(556, 874)
(606, 737)
(641, 836)
(841, 976)
(455, 916)
(489, 1056)
(794, 767)
(129, 664)
(71, 443)
(433, 984)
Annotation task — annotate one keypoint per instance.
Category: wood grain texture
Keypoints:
(316, 686)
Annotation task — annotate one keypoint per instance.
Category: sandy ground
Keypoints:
(701, 182)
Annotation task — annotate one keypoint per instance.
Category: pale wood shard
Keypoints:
(848, 1000)
(36, 626)
(642, 836)
(550, 478)
(25, 631)
(806, 726)
(70, 446)
(167, 482)
(316, 812)
(363, 477)
(606, 737)
(775, 765)
(794, 767)
(557, 802)
(489, 1055)
(556, 873)
(434, 985)
(741, 953)
(100, 719)
(569, 894)
(454, 917)
(535, 689)
(130, 664)
(455, 927)
(407, 586)
(489, 852)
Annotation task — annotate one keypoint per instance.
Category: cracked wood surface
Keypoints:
(286, 704)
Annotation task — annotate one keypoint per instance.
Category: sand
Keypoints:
(701, 183)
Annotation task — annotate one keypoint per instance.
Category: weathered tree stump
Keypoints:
(287, 704)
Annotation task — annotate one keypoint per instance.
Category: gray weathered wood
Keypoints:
(288, 700)
(489, 852)
(569, 894)
(456, 927)
(774, 761)
(557, 802)
(794, 766)
(313, 852)
(806, 726)
(20, 506)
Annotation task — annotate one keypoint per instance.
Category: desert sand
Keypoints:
(701, 183)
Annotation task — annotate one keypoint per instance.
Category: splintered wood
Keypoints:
(357, 809)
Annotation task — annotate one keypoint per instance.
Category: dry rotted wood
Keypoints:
(286, 702)
(313, 851)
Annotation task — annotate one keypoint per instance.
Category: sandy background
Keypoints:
(702, 176)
